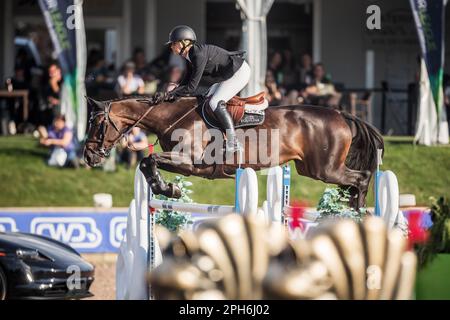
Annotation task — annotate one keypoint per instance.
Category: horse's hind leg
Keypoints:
(364, 188)
(358, 181)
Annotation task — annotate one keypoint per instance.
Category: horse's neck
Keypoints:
(165, 114)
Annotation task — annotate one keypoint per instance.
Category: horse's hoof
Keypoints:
(175, 190)
(155, 188)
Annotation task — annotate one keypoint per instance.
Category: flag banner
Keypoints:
(431, 128)
(64, 19)
(430, 19)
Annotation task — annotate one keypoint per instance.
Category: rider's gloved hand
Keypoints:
(170, 97)
(158, 97)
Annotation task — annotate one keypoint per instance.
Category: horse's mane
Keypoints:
(133, 97)
(142, 97)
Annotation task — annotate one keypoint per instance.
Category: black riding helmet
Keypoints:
(182, 33)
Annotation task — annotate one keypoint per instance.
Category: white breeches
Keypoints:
(229, 88)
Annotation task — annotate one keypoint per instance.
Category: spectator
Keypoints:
(19, 81)
(274, 66)
(51, 95)
(97, 71)
(130, 83)
(321, 91)
(138, 141)
(305, 72)
(273, 94)
(141, 63)
(97, 75)
(175, 76)
(60, 139)
(446, 85)
(290, 77)
(25, 63)
(15, 107)
(159, 66)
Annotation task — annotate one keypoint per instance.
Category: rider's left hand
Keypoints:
(170, 97)
(159, 97)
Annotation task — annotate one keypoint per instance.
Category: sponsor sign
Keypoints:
(84, 231)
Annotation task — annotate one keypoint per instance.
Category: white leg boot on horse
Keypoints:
(149, 168)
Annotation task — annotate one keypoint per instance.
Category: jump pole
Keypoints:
(377, 182)
(152, 231)
(151, 238)
(237, 205)
(286, 194)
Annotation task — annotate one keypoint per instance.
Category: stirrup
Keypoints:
(232, 146)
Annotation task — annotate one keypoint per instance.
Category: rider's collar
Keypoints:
(187, 56)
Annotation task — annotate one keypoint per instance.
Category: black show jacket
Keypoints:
(208, 64)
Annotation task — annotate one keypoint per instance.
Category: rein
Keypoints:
(178, 121)
(102, 152)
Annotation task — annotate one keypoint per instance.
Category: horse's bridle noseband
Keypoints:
(103, 152)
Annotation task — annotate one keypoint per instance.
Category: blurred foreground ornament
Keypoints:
(417, 232)
(239, 257)
(297, 211)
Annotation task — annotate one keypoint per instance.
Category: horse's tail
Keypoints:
(363, 150)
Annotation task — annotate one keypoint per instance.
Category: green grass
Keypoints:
(25, 179)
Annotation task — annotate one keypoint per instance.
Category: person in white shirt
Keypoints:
(130, 83)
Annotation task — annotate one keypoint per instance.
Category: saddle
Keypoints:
(245, 112)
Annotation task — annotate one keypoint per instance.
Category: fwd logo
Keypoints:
(117, 230)
(78, 232)
(8, 224)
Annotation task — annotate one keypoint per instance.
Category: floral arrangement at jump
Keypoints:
(334, 203)
(174, 220)
(438, 234)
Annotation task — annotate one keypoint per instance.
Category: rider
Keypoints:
(225, 72)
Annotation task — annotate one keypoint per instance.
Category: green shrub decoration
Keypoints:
(334, 204)
(174, 220)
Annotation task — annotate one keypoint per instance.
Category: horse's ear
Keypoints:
(95, 104)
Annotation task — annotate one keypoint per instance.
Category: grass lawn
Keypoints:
(26, 181)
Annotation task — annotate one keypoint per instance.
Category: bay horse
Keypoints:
(319, 140)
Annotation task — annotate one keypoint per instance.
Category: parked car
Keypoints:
(33, 266)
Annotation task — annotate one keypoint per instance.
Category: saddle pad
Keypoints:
(248, 118)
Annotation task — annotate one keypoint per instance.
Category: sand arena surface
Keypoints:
(104, 286)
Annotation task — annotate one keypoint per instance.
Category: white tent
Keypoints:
(254, 41)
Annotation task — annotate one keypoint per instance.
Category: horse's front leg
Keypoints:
(149, 167)
(170, 161)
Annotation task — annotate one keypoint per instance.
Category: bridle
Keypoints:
(107, 120)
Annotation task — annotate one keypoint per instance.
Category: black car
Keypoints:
(36, 267)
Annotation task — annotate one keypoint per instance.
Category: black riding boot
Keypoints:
(226, 122)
